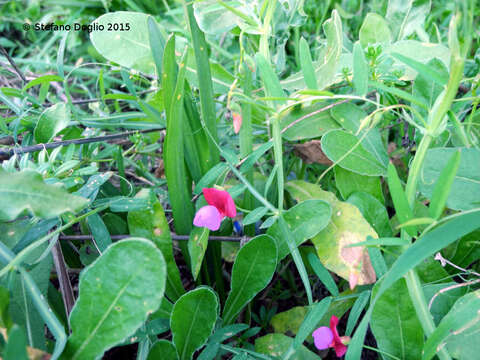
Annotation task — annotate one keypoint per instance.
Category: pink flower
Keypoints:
(237, 122)
(220, 204)
(325, 338)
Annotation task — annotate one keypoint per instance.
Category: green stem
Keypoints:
(278, 154)
(264, 48)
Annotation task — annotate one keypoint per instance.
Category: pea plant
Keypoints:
(239, 179)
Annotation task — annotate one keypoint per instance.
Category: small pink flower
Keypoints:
(327, 337)
(220, 204)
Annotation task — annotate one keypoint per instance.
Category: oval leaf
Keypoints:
(116, 294)
(51, 122)
(252, 271)
(193, 319)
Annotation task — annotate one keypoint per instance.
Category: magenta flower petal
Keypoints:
(209, 217)
(222, 200)
(322, 338)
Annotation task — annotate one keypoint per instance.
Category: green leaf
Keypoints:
(306, 65)
(407, 17)
(179, 185)
(255, 215)
(465, 251)
(305, 220)
(99, 231)
(347, 226)
(53, 120)
(307, 122)
(465, 189)
(374, 30)
(277, 344)
(197, 245)
(116, 294)
(345, 149)
(314, 315)
(323, 274)
(193, 319)
(360, 70)
(153, 225)
(443, 301)
(129, 48)
(42, 80)
(26, 191)
(252, 271)
(425, 246)
(328, 59)
(16, 347)
(269, 78)
(157, 44)
(348, 182)
(459, 330)
(373, 211)
(350, 116)
(205, 84)
(426, 71)
(356, 311)
(444, 185)
(162, 349)
(394, 323)
(386, 241)
(402, 208)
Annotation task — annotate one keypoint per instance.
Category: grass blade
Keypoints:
(323, 274)
(307, 65)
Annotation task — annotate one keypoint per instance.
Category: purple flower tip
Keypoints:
(322, 338)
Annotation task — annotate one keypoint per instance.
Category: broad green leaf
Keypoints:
(360, 70)
(425, 246)
(407, 17)
(129, 48)
(443, 301)
(307, 122)
(350, 116)
(193, 319)
(465, 190)
(153, 225)
(328, 60)
(306, 65)
(116, 294)
(304, 220)
(276, 344)
(459, 330)
(348, 182)
(394, 323)
(374, 30)
(347, 226)
(420, 51)
(252, 271)
(162, 349)
(53, 120)
(345, 149)
(373, 211)
(26, 191)
(197, 245)
(215, 19)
